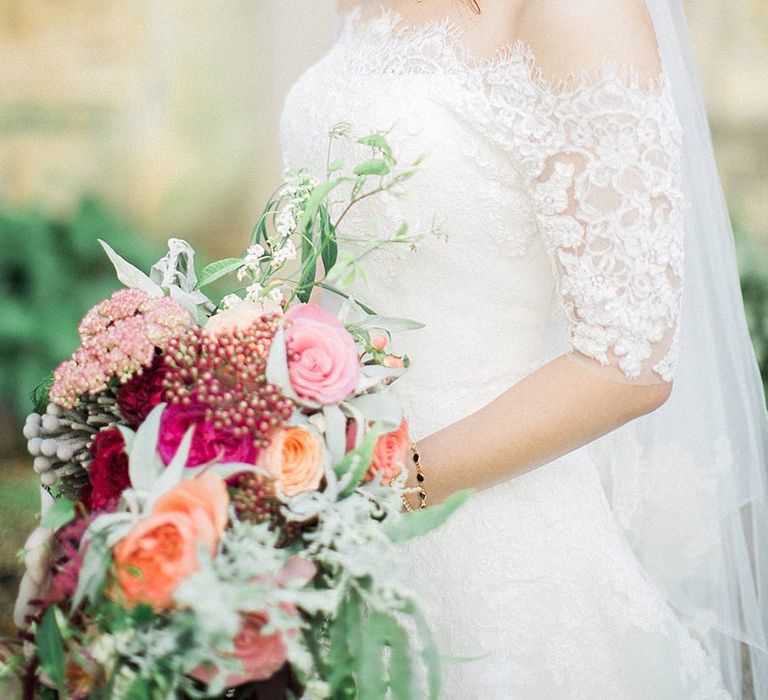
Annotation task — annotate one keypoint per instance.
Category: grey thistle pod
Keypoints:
(60, 438)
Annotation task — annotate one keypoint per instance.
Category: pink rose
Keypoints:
(208, 442)
(261, 655)
(323, 362)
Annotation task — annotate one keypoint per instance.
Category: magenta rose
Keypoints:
(108, 473)
(323, 363)
(208, 443)
(140, 394)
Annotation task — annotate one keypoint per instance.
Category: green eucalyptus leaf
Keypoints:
(379, 142)
(217, 270)
(318, 195)
(61, 512)
(307, 279)
(372, 683)
(260, 230)
(337, 164)
(50, 647)
(352, 468)
(429, 651)
(328, 246)
(401, 667)
(140, 689)
(421, 521)
(374, 166)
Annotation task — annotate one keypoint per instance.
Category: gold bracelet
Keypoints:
(407, 505)
(419, 475)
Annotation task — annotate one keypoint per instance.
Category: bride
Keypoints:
(585, 363)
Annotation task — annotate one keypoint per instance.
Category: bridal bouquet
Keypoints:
(221, 483)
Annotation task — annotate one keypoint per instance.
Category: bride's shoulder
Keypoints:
(566, 35)
(344, 6)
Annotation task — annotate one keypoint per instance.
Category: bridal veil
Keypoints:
(688, 481)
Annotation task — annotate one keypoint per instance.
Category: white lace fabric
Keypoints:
(562, 204)
(600, 149)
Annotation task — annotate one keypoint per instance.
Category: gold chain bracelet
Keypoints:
(419, 479)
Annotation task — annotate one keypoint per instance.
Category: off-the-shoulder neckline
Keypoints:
(507, 57)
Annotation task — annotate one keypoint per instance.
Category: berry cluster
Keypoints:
(226, 374)
(255, 500)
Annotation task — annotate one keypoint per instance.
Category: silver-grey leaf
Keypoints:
(130, 275)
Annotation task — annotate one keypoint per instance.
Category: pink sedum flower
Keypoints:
(323, 363)
(118, 338)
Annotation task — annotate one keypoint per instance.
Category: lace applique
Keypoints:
(599, 149)
(609, 205)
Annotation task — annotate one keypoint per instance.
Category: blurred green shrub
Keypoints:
(753, 271)
(51, 272)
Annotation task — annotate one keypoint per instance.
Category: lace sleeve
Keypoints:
(607, 200)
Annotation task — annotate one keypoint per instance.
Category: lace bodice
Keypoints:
(574, 183)
(546, 217)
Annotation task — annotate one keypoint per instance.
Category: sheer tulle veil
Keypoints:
(688, 481)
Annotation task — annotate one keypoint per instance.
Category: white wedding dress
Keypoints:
(561, 215)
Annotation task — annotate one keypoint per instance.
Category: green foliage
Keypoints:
(753, 271)
(50, 646)
(51, 272)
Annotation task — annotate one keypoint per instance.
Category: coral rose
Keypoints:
(295, 459)
(160, 550)
(241, 315)
(204, 499)
(390, 454)
(151, 560)
(323, 361)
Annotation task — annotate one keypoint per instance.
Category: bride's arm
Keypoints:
(605, 190)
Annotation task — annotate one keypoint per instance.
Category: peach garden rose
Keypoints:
(295, 458)
(160, 550)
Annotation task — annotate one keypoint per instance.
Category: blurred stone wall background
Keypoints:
(169, 109)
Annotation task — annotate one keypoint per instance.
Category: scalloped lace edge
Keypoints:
(508, 56)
